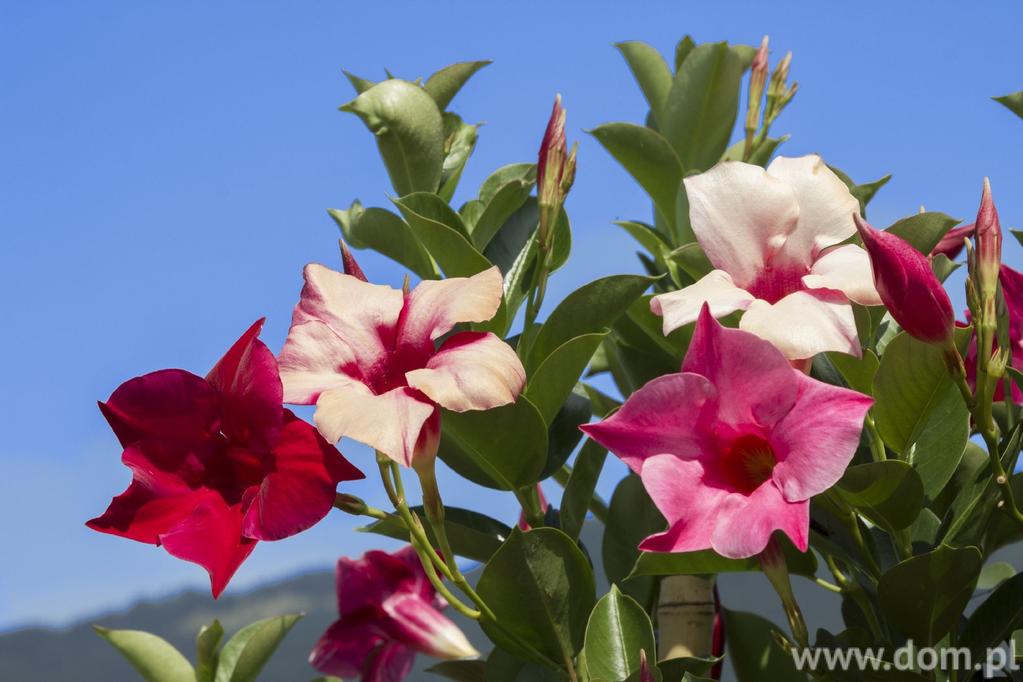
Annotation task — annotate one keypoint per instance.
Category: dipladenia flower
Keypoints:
(989, 245)
(217, 462)
(732, 448)
(364, 354)
(389, 611)
(772, 237)
(1012, 291)
(953, 241)
(555, 171)
(908, 286)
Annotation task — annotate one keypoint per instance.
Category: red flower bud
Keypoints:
(952, 243)
(989, 245)
(907, 285)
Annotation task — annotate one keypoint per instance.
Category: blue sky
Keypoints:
(164, 170)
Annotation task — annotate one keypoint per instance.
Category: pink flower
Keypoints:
(733, 447)
(908, 286)
(218, 463)
(951, 245)
(772, 236)
(989, 244)
(389, 612)
(364, 354)
(1012, 290)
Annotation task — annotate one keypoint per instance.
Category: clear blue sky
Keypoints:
(164, 170)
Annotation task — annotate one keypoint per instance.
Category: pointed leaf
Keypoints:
(206, 644)
(445, 84)
(1013, 102)
(650, 71)
(459, 142)
(580, 487)
(617, 631)
(924, 230)
(472, 535)
(153, 657)
(552, 382)
(754, 652)
(245, 654)
(888, 493)
(386, 233)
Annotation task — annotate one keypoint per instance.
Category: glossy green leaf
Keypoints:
(245, 654)
(858, 373)
(943, 266)
(552, 382)
(994, 621)
(503, 667)
(580, 487)
(649, 159)
(385, 233)
(504, 448)
(508, 199)
(924, 230)
(650, 71)
(682, 50)
(445, 84)
(409, 133)
(707, 561)
(427, 213)
(678, 668)
(460, 671)
(701, 107)
(459, 143)
(923, 596)
(754, 652)
(994, 574)
(522, 172)
(1013, 102)
(888, 493)
(631, 518)
(154, 658)
(540, 587)
(692, 260)
(617, 631)
(863, 193)
(564, 435)
(206, 644)
(472, 535)
(586, 310)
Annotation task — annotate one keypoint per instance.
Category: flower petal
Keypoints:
(170, 404)
(666, 416)
(755, 383)
(471, 371)
(250, 390)
(369, 579)
(741, 216)
(435, 306)
(846, 269)
(817, 439)
(417, 624)
(805, 323)
(389, 662)
(390, 422)
(301, 483)
(315, 359)
(825, 204)
(745, 528)
(716, 289)
(211, 536)
(691, 507)
(347, 644)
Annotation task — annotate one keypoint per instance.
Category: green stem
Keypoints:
(350, 504)
(876, 442)
(855, 591)
(772, 562)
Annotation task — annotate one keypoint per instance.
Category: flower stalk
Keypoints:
(772, 563)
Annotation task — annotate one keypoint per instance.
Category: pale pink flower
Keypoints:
(773, 238)
(733, 448)
(365, 355)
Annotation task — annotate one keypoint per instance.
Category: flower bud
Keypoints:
(351, 266)
(907, 286)
(417, 624)
(953, 242)
(989, 245)
(757, 83)
(555, 171)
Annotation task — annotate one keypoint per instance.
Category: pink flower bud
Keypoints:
(351, 266)
(907, 285)
(555, 171)
(953, 241)
(644, 668)
(989, 245)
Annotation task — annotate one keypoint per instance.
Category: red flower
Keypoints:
(218, 463)
(389, 612)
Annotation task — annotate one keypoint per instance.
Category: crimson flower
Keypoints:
(389, 612)
(733, 447)
(364, 354)
(217, 463)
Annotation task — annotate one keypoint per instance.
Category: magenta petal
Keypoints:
(745, 528)
(301, 483)
(250, 390)
(347, 644)
(816, 441)
(369, 579)
(390, 662)
(417, 624)
(692, 507)
(211, 537)
(170, 404)
(664, 416)
(754, 381)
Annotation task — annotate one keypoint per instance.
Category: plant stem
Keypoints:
(772, 562)
(350, 504)
(855, 591)
(876, 442)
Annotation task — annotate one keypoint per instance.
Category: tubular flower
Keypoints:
(389, 612)
(908, 286)
(218, 463)
(772, 238)
(364, 354)
(733, 447)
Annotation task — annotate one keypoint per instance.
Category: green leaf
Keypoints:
(564, 434)
(460, 671)
(923, 596)
(754, 653)
(888, 493)
(761, 154)
(580, 487)
(994, 621)
(707, 561)
(682, 50)
(552, 382)
(692, 260)
(445, 84)
(409, 133)
(678, 668)
(631, 518)
(503, 667)
(385, 233)
(863, 193)
(618, 629)
(919, 411)
(504, 448)
(923, 230)
(206, 644)
(586, 310)
(153, 657)
(245, 654)
(1013, 102)
(523, 172)
(540, 587)
(650, 71)
(858, 373)
(472, 535)
(994, 574)
(701, 107)
(649, 159)
(459, 143)
(508, 199)
(943, 266)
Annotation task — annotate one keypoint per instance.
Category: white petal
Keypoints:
(310, 362)
(435, 306)
(471, 371)
(848, 270)
(716, 288)
(805, 323)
